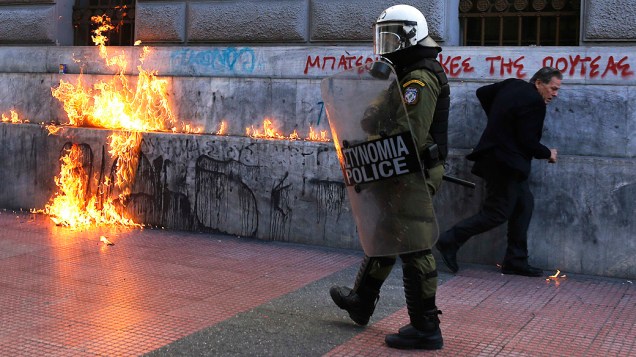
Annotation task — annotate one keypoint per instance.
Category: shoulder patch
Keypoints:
(411, 95)
(413, 81)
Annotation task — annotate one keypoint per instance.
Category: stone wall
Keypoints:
(192, 22)
(41, 22)
(292, 190)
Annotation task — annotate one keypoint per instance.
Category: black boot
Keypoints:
(360, 301)
(426, 336)
(423, 332)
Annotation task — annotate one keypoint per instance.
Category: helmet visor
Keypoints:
(388, 38)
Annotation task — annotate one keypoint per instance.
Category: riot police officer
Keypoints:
(402, 39)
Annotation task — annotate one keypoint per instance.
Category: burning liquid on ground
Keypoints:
(130, 109)
(556, 278)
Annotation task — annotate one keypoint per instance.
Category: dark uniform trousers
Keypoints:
(508, 198)
(415, 266)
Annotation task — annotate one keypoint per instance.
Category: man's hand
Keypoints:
(553, 156)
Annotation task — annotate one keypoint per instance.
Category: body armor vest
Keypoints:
(439, 126)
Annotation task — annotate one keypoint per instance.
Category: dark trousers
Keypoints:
(508, 199)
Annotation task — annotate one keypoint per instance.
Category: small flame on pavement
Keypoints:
(556, 277)
(105, 241)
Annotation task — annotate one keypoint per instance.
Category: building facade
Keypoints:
(243, 61)
(305, 22)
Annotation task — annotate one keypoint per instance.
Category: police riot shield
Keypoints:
(386, 183)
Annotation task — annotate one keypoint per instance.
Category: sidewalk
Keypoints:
(166, 293)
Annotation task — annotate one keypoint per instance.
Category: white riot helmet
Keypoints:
(399, 27)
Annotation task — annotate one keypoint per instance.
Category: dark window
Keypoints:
(121, 13)
(520, 22)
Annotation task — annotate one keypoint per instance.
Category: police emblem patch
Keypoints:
(411, 95)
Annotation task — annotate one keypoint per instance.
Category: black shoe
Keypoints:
(411, 338)
(449, 256)
(359, 308)
(525, 270)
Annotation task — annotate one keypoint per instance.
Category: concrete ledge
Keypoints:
(267, 189)
(293, 191)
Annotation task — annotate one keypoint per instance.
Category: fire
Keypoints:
(14, 118)
(222, 129)
(556, 278)
(270, 132)
(112, 104)
(115, 104)
(313, 136)
(131, 108)
(105, 241)
(53, 129)
(72, 206)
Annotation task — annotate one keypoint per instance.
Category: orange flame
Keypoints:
(14, 118)
(72, 206)
(105, 241)
(113, 104)
(556, 278)
(269, 132)
(132, 108)
(53, 129)
(313, 136)
(222, 129)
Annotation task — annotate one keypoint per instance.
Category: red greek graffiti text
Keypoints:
(455, 66)
(344, 62)
(506, 66)
(596, 66)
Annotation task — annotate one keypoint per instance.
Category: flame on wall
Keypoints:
(71, 206)
(269, 131)
(13, 117)
(129, 108)
(112, 104)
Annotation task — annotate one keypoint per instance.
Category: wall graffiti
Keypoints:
(221, 196)
(235, 60)
(331, 199)
(570, 65)
(281, 210)
(153, 203)
(480, 64)
(594, 66)
(341, 63)
(265, 189)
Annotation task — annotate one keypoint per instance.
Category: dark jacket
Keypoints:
(516, 112)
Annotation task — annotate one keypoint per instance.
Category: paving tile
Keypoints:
(63, 293)
(518, 316)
